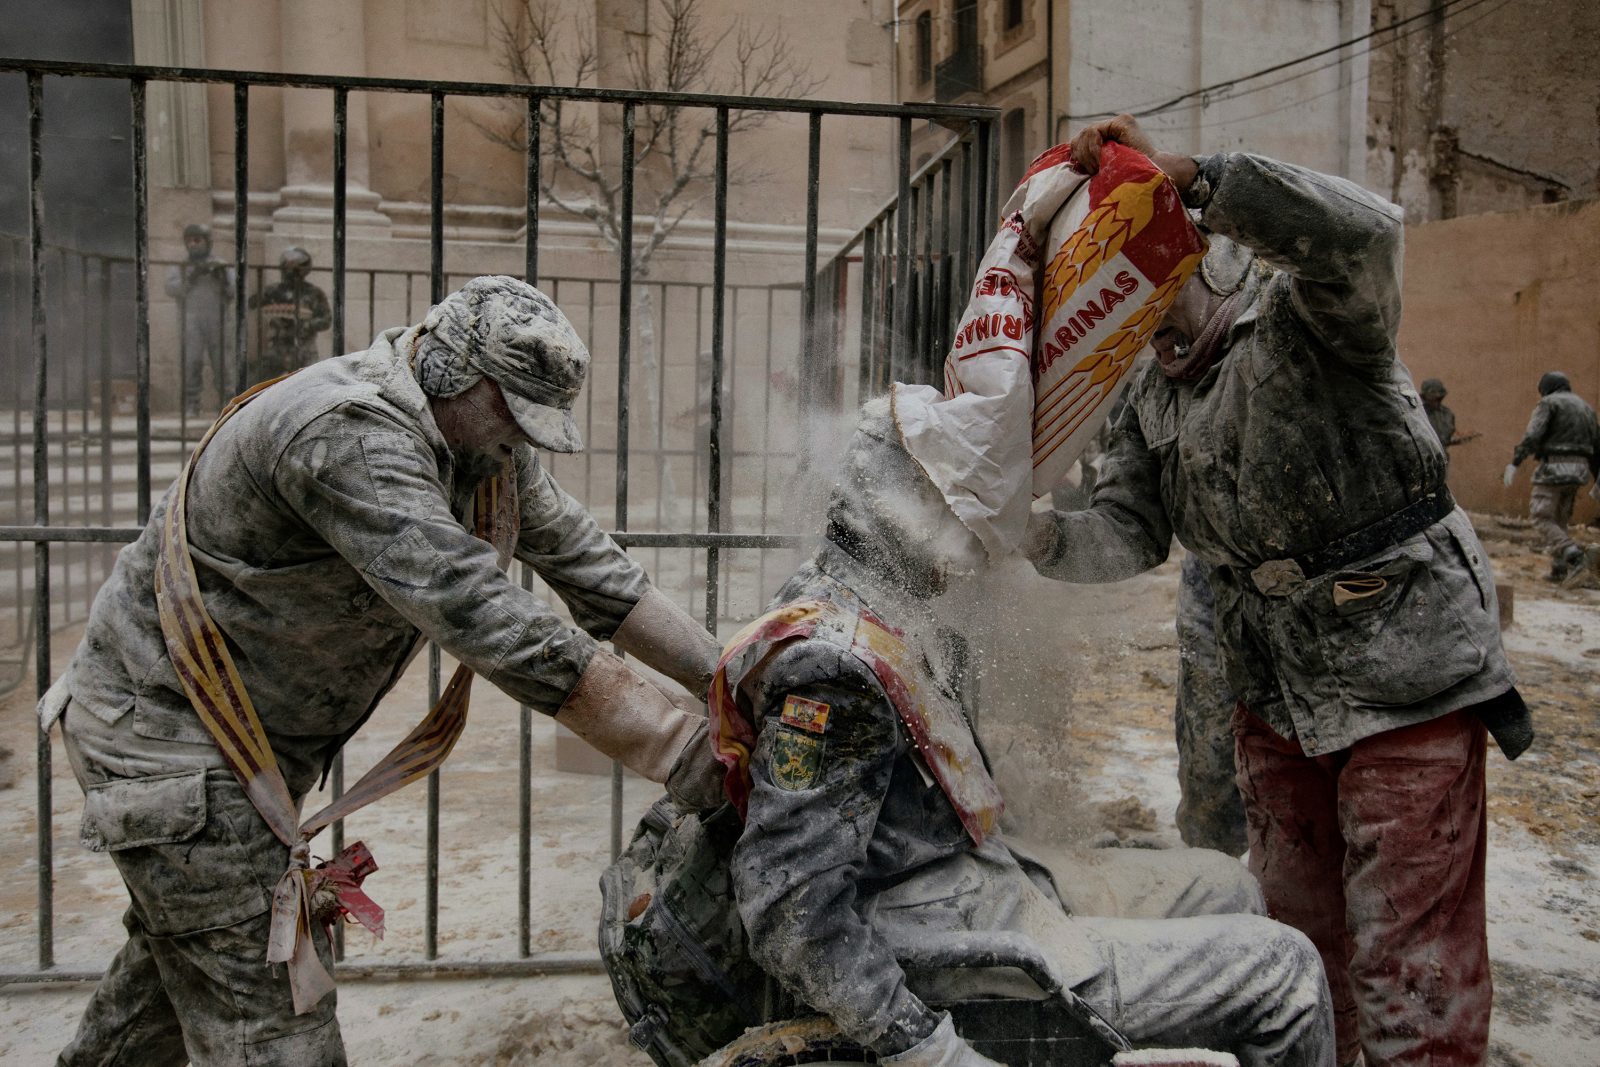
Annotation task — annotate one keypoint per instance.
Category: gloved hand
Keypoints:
(942, 1048)
(665, 637)
(695, 782)
(625, 717)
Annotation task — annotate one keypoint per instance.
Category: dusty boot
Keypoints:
(1583, 569)
(1564, 561)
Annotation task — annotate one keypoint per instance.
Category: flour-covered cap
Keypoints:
(512, 333)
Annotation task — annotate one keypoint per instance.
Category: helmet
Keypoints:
(1433, 389)
(197, 229)
(1553, 381)
(295, 258)
(1226, 264)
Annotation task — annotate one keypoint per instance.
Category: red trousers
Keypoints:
(1376, 853)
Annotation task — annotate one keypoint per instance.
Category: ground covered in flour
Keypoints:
(1076, 703)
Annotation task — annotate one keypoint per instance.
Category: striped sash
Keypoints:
(200, 656)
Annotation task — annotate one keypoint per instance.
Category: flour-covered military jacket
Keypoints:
(839, 815)
(1306, 430)
(326, 526)
(1563, 436)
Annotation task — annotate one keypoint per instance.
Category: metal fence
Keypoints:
(87, 452)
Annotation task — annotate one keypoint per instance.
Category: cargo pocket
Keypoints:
(1390, 633)
(176, 842)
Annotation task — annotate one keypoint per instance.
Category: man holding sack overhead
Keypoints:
(1279, 438)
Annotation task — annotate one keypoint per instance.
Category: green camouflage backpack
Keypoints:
(672, 940)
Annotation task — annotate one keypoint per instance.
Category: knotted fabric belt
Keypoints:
(1280, 577)
(200, 656)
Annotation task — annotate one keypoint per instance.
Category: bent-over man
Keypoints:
(327, 529)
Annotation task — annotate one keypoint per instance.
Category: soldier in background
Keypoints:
(294, 312)
(1564, 437)
(202, 285)
(1441, 418)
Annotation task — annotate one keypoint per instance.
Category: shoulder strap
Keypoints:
(206, 669)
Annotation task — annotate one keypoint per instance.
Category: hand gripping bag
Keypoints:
(1069, 291)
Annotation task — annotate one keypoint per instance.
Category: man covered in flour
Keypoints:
(872, 821)
(1278, 437)
(328, 529)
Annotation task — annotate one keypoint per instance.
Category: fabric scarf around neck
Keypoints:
(1207, 348)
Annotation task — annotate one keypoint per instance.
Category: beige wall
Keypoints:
(1489, 109)
(846, 46)
(1492, 302)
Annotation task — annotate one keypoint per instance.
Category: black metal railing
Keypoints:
(87, 450)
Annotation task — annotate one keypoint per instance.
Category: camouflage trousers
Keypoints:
(1550, 508)
(1210, 813)
(191, 984)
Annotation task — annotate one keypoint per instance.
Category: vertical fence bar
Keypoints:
(864, 360)
(719, 301)
(941, 309)
(809, 348)
(241, 231)
(141, 298)
(902, 250)
(105, 398)
(525, 713)
(966, 265)
(624, 343)
(989, 176)
(531, 217)
(341, 163)
(925, 324)
(430, 935)
(41, 516)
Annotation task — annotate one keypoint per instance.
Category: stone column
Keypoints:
(324, 37)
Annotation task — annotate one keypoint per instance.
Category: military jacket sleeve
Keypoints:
(1339, 244)
(373, 491)
(321, 316)
(820, 770)
(595, 578)
(1532, 443)
(1125, 530)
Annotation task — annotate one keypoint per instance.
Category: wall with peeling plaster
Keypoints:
(1491, 302)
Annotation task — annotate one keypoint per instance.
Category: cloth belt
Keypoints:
(200, 657)
(1280, 577)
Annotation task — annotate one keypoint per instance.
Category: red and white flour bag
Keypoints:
(1067, 294)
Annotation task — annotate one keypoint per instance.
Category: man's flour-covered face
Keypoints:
(892, 517)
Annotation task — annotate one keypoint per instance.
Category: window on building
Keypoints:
(966, 25)
(1013, 14)
(924, 47)
(1013, 147)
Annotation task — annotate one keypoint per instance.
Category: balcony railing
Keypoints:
(958, 75)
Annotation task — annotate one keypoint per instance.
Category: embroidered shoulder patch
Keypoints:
(808, 715)
(796, 759)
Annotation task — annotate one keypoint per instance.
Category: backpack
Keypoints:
(672, 940)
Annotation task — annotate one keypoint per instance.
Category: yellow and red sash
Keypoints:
(935, 721)
(200, 656)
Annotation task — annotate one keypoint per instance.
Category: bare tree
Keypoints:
(674, 146)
